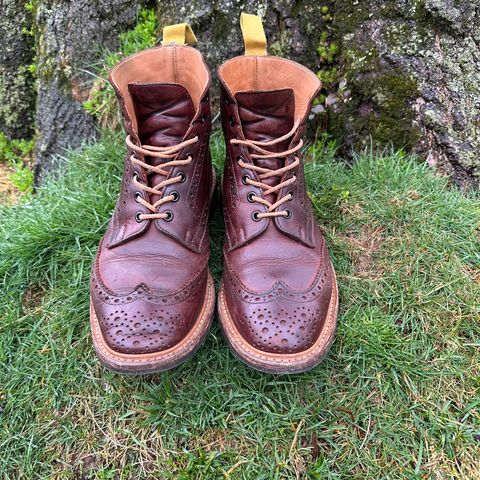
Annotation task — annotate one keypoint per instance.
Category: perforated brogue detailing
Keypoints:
(280, 320)
(279, 290)
(282, 330)
(134, 331)
(278, 285)
(197, 176)
(126, 184)
(156, 297)
(146, 320)
(150, 288)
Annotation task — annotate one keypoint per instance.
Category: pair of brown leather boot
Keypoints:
(152, 295)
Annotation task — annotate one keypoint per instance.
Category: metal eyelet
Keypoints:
(176, 196)
(135, 176)
(231, 121)
(203, 118)
(182, 176)
(137, 217)
(291, 196)
(289, 214)
(239, 158)
(137, 196)
(244, 179)
(250, 197)
(169, 216)
(255, 216)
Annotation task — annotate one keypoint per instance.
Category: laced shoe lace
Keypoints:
(161, 169)
(264, 173)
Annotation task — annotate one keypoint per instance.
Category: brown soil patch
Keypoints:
(362, 247)
(32, 299)
(8, 192)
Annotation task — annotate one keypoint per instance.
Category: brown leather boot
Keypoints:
(278, 300)
(152, 295)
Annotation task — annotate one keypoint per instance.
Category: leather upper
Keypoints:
(238, 217)
(194, 191)
(278, 300)
(150, 277)
(278, 278)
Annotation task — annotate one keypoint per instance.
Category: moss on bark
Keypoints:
(17, 92)
(413, 75)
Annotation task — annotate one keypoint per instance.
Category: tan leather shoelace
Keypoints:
(263, 173)
(162, 169)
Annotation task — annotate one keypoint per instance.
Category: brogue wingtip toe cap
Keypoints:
(146, 323)
(141, 328)
(279, 327)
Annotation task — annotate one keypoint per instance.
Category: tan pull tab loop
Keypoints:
(179, 34)
(253, 34)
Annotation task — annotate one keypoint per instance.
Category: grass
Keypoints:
(16, 175)
(397, 397)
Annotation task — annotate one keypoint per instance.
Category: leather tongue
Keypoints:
(265, 116)
(164, 112)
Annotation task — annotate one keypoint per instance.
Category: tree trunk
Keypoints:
(17, 93)
(413, 76)
(395, 72)
(70, 39)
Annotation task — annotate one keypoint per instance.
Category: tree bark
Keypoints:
(396, 72)
(413, 77)
(70, 39)
(17, 92)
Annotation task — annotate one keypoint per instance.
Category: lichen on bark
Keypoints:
(412, 67)
(17, 86)
(70, 37)
(413, 70)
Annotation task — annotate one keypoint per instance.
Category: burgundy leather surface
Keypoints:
(149, 279)
(164, 112)
(265, 116)
(277, 272)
